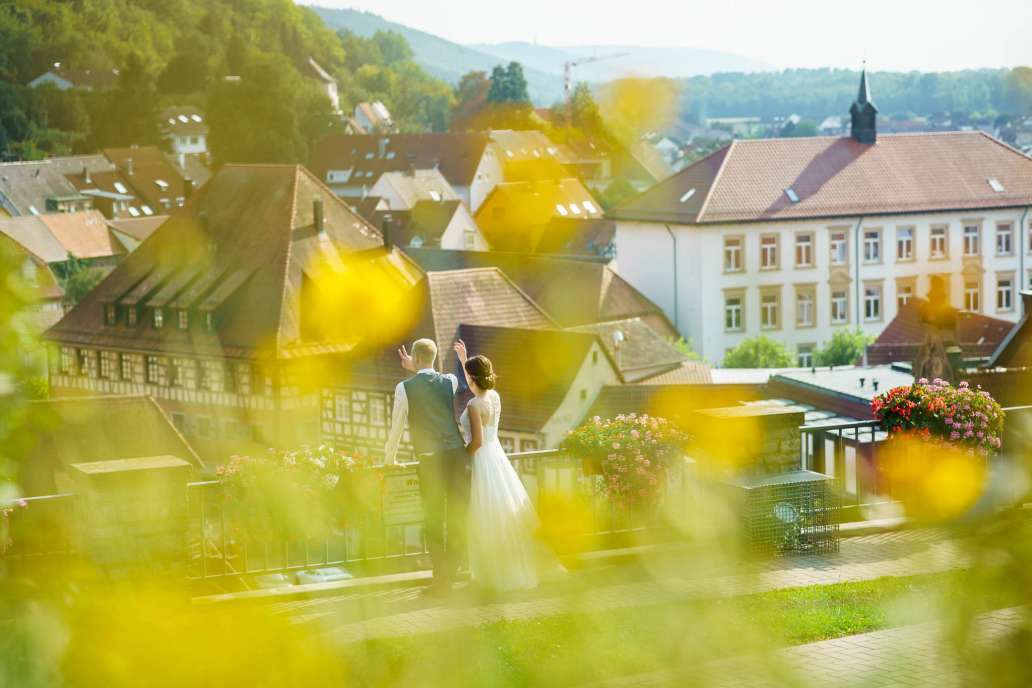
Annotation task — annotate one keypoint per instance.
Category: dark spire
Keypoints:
(863, 113)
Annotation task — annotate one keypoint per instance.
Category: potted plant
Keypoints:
(940, 441)
(632, 453)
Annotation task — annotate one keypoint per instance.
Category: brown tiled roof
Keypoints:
(138, 228)
(84, 429)
(688, 373)
(84, 234)
(27, 185)
(143, 168)
(241, 248)
(535, 369)
(572, 292)
(456, 155)
(977, 335)
(836, 177)
(578, 237)
(32, 235)
(477, 296)
(641, 352)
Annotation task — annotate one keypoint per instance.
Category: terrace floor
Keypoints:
(360, 614)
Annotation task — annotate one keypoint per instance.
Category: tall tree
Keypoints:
(129, 114)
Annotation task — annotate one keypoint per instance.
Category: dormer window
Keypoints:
(110, 313)
(183, 319)
(159, 318)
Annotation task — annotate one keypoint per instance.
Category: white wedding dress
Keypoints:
(504, 551)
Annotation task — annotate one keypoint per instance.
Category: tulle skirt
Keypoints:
(504, 550)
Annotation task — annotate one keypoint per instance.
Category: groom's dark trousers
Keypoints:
(444, 490)
(443, 469)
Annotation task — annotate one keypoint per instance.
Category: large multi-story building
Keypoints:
(796, 238)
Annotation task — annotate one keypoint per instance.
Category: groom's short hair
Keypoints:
(424, 351)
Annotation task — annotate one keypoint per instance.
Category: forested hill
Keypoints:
(817, 93)
(179, 52)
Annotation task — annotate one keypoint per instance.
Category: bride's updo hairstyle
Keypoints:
(481, 372)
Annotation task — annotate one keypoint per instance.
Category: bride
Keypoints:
(504, 552)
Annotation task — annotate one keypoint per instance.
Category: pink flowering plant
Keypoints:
(633, 451)
(293, 493)
(937, 412)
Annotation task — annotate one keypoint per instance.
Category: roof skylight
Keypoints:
(589, 206)
(147, 210)
(161, 183)
(561, 209)
(792, 195)
(120, 188)
(184, 119)
(996, 185)
(435, 195)
(196, 118)
(687, 194)
(134, 211)
(575, 208)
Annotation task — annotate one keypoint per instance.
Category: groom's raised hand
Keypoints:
(406, 359)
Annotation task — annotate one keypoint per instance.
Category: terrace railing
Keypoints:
(848, 453)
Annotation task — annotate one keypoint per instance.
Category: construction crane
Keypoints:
(568, 74)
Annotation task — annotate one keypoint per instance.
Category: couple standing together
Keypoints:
(474, 505)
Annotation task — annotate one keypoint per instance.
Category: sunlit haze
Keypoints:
(924, 35)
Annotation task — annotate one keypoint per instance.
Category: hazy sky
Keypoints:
(890, 34)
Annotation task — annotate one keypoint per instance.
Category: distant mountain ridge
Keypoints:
(659, 61)
(442, 58)
(542, 64)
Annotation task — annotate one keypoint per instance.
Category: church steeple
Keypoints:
(863, 113)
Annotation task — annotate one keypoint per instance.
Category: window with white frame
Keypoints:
(342, 407)
(87, 362)
(125, 367)
(904, 243)
(769, 251)
(1004, 293)
(937, 244)
(872, 246)
(1004, 239)
(242, 378)
(804, 250)
(769, 310)
(804, 307)
(972, 296)
(804, 355)
(904, 292)
(110, 314)
(972, 239)
(68, 360)
(184, 373)
(157, 370)
(108, 364)
(872, 302)
(732, 254)
(839, 307)
(159, 318)
(839, 248)
(733, 312)
(469, 240)
(378, 410)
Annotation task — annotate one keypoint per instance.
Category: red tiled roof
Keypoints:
(83, 234)
(977, 335)
(837, 176)
(641, 353)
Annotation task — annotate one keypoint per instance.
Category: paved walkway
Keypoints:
(361, 615)
(906, 656)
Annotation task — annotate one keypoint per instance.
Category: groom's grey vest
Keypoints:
(431, 419)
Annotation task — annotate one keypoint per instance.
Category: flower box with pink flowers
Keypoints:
(632, 453)
(935, 412)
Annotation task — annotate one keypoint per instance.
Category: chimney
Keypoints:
(187, 188)
(385, 229)
(317, 217)
(383, 148)
(129, 166)
(86, 175)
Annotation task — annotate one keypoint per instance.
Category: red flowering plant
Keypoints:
(961, 416)
(633, 451)
(295, 493)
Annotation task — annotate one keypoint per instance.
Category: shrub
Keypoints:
(759, 352)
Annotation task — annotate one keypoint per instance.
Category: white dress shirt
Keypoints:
(400, 415)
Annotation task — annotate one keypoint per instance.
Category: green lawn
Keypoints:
(577, 648)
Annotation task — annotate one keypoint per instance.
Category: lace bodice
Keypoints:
(490, 407)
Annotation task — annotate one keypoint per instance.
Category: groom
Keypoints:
(425, 400)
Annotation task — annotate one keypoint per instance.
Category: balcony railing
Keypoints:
(846, 452)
